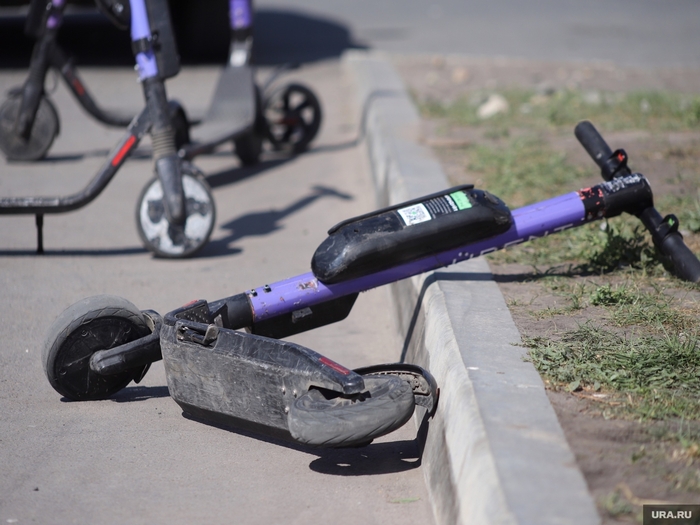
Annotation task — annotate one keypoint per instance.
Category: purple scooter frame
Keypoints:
(225, 362)
(622, 191)
(536, 220)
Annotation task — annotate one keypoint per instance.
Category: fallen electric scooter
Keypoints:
(224, 360)
(176, 212)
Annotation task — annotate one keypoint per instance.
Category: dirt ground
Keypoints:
(625, 462)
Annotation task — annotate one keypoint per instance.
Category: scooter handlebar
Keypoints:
(595, 145)
(664, 231)
(686, 265)
(667, 239)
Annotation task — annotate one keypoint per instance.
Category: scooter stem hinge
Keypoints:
(193, 335)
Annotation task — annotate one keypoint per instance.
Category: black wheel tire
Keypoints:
(96, 323)
(44, 130)
(248, 148)
(323, 419)
(179, 121)
(176, 242)
(293, 117)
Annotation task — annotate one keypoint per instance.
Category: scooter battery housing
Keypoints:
(409, 231)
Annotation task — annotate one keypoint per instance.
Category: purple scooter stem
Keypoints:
(141, 31)
(536, 220)
(55, 19)
(240, 14)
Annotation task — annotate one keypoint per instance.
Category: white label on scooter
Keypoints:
(414, 214)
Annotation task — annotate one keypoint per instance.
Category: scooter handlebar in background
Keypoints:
(595, 145)
(663, 230)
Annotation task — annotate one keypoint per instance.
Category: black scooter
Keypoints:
(176, 214)
(29, 121)
(289, 117)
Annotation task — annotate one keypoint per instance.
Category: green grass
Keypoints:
(659, 375)
(658, 110)
(686, 208)
(523, 170)
(620, 243)
(644, 358)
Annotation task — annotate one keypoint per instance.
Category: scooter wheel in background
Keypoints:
(179, 120)
(249, 147)
(169, 241)
(43, 133)
(93, 324)
(329, 419)
(293, 117)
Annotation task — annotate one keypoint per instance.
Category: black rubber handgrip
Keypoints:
(686, 265)
(594, 144)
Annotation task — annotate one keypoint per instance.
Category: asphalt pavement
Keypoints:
(642, 33)
(135, 459)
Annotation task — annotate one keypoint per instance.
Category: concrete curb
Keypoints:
(495, 452)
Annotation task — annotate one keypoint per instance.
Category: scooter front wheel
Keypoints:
(329, 419)
(93, 324)
(293, 117)
(171, 241)
(42, 135)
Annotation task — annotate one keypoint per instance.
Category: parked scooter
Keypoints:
(245, 113)
(176, 213)
(29, 121)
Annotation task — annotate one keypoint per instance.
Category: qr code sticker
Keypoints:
(414, 214)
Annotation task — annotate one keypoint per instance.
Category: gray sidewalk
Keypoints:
(495, 452)
(135, 459)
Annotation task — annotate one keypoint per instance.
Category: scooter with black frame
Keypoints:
(176, 212)
(225, 362)
(29, 120)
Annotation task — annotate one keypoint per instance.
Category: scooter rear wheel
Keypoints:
(328, 419)
(249, 147)
(293, 116)
(166, 240)
(93, 324)
(42, 135)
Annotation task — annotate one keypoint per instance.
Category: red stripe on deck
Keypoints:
(335, 366)
(123, 151)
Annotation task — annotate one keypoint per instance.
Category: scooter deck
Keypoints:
(233, 109)
(244, 376)
(279, 388)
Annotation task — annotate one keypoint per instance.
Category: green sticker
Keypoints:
(461, 200)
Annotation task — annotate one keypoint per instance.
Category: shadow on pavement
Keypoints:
(140, 393)
(280, 36)
(87, 252)
(370, 460)
(263, 223)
